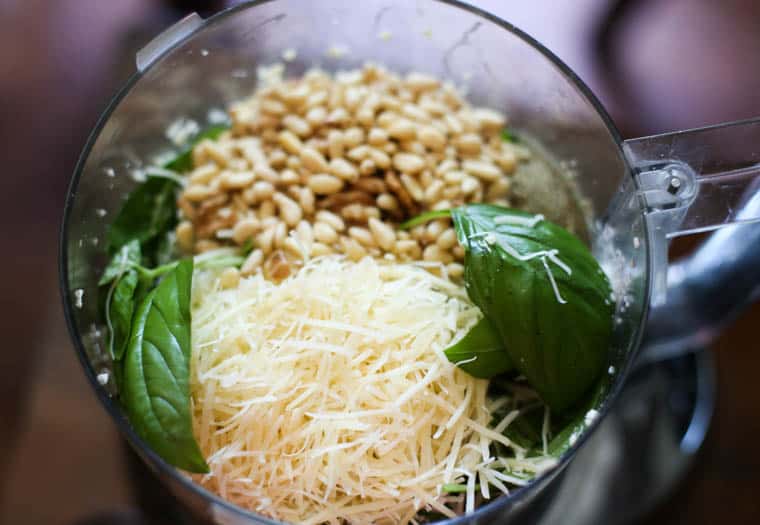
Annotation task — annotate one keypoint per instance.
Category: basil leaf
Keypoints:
(578, 421)
(508, 136)
(148, 211)
(127, 256)
(184, 160)
(558, 338)
(484, 344)
(120, 310)
(156, 390)
(424, 217)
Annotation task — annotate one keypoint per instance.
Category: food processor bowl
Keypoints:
(189, 74)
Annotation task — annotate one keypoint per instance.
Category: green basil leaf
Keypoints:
(508, 136)
(578, 421)
(161, 250)
(149, 210)
(127, 256)
(120, 310)
(559, 339)
(484, 344)
(156, 389)
(184, 160)
(424, 217)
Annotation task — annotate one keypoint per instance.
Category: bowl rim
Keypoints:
(521, 494)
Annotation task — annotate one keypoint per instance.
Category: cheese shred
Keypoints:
(327, 398)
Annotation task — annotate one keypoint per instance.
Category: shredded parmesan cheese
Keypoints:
(327, 398)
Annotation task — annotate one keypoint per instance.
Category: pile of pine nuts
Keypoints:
(332, 164)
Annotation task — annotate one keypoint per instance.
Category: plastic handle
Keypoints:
(696, 181)
(160, 44)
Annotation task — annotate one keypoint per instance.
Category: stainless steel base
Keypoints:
(643, 448)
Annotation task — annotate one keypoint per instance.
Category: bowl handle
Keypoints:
(692, 182)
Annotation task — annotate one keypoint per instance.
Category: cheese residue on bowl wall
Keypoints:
(327, 398)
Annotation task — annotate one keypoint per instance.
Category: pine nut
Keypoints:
(324, 233)
(353, 137)
(229, 278)
(235, 180)
(244, 230)
(290, 142)
(265, 239)
(469, 185)
(434, 253)
(203, 174)
(273, 106)
(454, 176)
(265, 173)
(386, 201)
(289, 177)
(185, 236)
(205, 245)
(447, 239)
(507, 160)
(468, 144)
(316, 116)
(414, 112)
(280, 234)
(498, 189)
(262, 190)
(380, 158)
(332, 220)
(458, 251)
(313, 160)
(252, 263)
(454, 124)
(377, 137)
(362, 235)
(353, 250)
(408, 163)
(344, 169)
(402, 130)
(421, 82)
(489, 120)
(455, 270)
(338, 116)
(433, 191)
(307, 200)
(335, 144)
(290, 212)
(323, 184)
(267, 209)
(197, 193)
(482, 170)
(318, 249)
(432, 138)
(383, 234)
(367, 167)
(411, 185)
(365, 116)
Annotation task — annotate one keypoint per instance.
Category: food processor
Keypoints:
(641, 193)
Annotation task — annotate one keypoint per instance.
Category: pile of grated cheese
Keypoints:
(327, 398)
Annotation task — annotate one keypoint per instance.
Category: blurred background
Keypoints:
(657, 65)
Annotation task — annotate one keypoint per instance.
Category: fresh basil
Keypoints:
(480, 352)
(120, 309)
(184, 160)
(149, 211)
(509, 136)
(127, 257)
(556, 326)
(156, 389)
